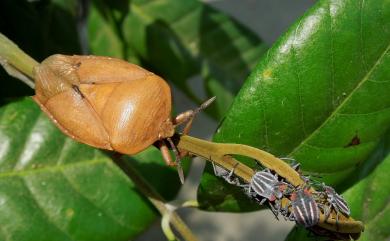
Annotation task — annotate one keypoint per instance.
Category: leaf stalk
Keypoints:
(16, 62)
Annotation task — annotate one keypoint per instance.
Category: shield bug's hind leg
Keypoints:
(275, 210)
(232, 179)
(177, 160)
(162, 145)
(228, 176)
(165, 153)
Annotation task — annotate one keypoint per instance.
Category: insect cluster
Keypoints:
(302, 204)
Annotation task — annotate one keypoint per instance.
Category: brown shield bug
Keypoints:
(109, 103)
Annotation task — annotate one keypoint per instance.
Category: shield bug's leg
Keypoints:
(284, 211)
(262, 201)
(177, 160)
(291, 217)
(188, 116)
(274, 210)
(326, 209)
(293, 161)
(218, 171)
(337, 220)
(228, 176)
(185, 117)
(231, 179)
(165, 153)
(168, 159)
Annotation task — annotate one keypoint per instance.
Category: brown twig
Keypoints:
(16, 62)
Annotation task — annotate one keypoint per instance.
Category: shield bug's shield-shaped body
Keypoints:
(337, 201)
(304, 208)
(266, 185)
(109, 103)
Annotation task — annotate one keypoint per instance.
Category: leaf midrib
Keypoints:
(342, 104)
(32, 171)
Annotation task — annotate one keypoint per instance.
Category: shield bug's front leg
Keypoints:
(274, 210)
(165, 153)
(188, 116)
(177, 160)
(167, 156)
(228, 176)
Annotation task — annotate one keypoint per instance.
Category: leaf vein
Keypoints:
(44, 212)
(31, 171)
(361, 36)
(344, 102)
(77, 190)
(34, 123)
(332, 65)
(297, 74)
(365, 114)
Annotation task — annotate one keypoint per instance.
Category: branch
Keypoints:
(16, 62)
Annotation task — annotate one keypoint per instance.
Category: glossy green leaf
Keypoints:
(320, 94)
(103, 39)
(369, 201)
(40, 28)
(53, 188)
(179, 40)
(104, 31)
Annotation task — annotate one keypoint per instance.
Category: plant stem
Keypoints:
(12, 56)
(155, 198)
(220, 153)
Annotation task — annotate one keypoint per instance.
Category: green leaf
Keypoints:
(40, 28)
(104, 33)
(103, 39)
(369, 201)
(320, 95)
(179, 40)
(53, 188)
